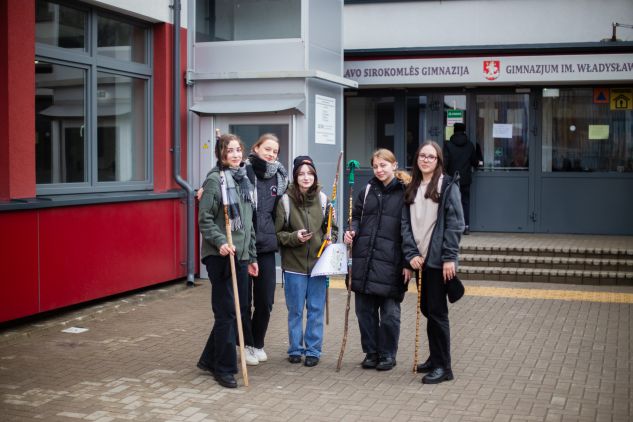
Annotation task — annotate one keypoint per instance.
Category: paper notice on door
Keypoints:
(502, 130)
(448, 132)
(597, 132)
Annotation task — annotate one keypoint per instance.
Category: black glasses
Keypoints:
(427, 158)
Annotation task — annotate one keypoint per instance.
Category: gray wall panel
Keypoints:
(577, 204)
(501, 203)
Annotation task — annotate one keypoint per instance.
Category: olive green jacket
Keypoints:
(296, 256)
(213, 225)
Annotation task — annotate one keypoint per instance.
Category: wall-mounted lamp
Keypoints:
(614, 25)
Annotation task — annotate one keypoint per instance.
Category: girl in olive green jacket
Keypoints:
(219, 355)
(300, 235)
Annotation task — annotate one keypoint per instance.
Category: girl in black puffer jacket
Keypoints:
(379, 229)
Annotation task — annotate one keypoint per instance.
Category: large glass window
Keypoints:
(369, 126)
(583, 132)
(92, 123)
(417, 126)
(502, 130)
(230, 20)
(60, 107)
(60, 26)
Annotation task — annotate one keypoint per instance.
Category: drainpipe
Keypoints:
(176, 148)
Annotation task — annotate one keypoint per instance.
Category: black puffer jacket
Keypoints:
(380, 222)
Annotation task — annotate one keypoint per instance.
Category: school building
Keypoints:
(102, 141)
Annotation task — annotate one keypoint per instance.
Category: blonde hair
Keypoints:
(385, 154)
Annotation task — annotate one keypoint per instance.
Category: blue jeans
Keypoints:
(309, 292)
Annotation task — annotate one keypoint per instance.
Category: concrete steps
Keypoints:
(566, 265)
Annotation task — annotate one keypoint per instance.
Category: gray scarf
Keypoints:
(232, 176)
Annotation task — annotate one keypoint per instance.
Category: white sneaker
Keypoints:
(260, 354)
(249, 356)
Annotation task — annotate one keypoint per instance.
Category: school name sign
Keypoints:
(492, 70)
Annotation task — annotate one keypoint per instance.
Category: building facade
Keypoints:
(545, 90)
(88, 202)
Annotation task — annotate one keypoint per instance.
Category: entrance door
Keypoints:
(503, 190)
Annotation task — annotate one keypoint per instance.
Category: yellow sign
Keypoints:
(621, 99)
(597, 132)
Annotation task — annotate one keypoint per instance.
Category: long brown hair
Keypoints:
(388, 156)
(221, 146)
(432, 190)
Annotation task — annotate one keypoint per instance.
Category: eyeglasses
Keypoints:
(427, 158)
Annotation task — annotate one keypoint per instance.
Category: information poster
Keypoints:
(324, 120)
(598, 132)
(502, 130)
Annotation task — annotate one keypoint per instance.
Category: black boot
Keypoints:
(370, 361)
(437, 376)
(425, 367)
(386, 364)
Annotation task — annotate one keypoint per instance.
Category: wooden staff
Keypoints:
(328, 234)
(352, 165)
(417, 323)
(236, 293)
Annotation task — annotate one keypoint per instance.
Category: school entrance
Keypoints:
(552, 160)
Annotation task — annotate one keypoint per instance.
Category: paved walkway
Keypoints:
(515, 359)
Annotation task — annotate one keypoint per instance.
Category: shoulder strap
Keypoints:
(285, 202)
(323, 199)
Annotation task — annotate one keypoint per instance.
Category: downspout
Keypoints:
(176, 148)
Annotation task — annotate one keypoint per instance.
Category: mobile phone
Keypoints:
(307, 233)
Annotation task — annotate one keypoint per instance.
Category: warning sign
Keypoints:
(601, 96)
(621, 99)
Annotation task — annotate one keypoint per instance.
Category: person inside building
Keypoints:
(219, 354)
(461, 156)
(437, 222)
(301, 225)
(379, 273)
(270, 184)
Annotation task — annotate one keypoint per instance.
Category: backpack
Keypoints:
(285, 202)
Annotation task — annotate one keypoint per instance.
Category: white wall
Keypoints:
(483, 22)
(149, 10)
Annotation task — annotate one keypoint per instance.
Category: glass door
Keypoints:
(503, 190)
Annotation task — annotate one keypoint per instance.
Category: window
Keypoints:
(587, 133)
(92, 101)
(369, 126)
(230, 20)
(502, 131)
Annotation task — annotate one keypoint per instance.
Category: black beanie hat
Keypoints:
(459, 127)
(301, 160)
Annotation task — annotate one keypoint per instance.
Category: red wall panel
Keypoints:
(18, 265)
(94, 251)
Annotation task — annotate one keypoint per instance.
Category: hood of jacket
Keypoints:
(460, 139)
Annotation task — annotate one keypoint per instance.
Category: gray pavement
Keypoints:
(514, 359)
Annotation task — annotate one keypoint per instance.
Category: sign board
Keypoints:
(324, 120)
(621, 99)
(492, 70)
(502, 130)
(454, 116)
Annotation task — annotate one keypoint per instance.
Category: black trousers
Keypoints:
(379, 324)
(219, 352)
(435, 308)
(465, 192)
(262, 296)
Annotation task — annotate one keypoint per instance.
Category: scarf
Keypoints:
(265, 170)
(233, 176)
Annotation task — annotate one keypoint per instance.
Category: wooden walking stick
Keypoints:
(352, 165)
(328, 233)
(417, 323)
(236, 294)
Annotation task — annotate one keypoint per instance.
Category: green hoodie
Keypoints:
(296, 256)
(213, 225)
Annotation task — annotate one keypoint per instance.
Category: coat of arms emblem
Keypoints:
(492, 69)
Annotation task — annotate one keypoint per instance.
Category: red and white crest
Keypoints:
(492, 69)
